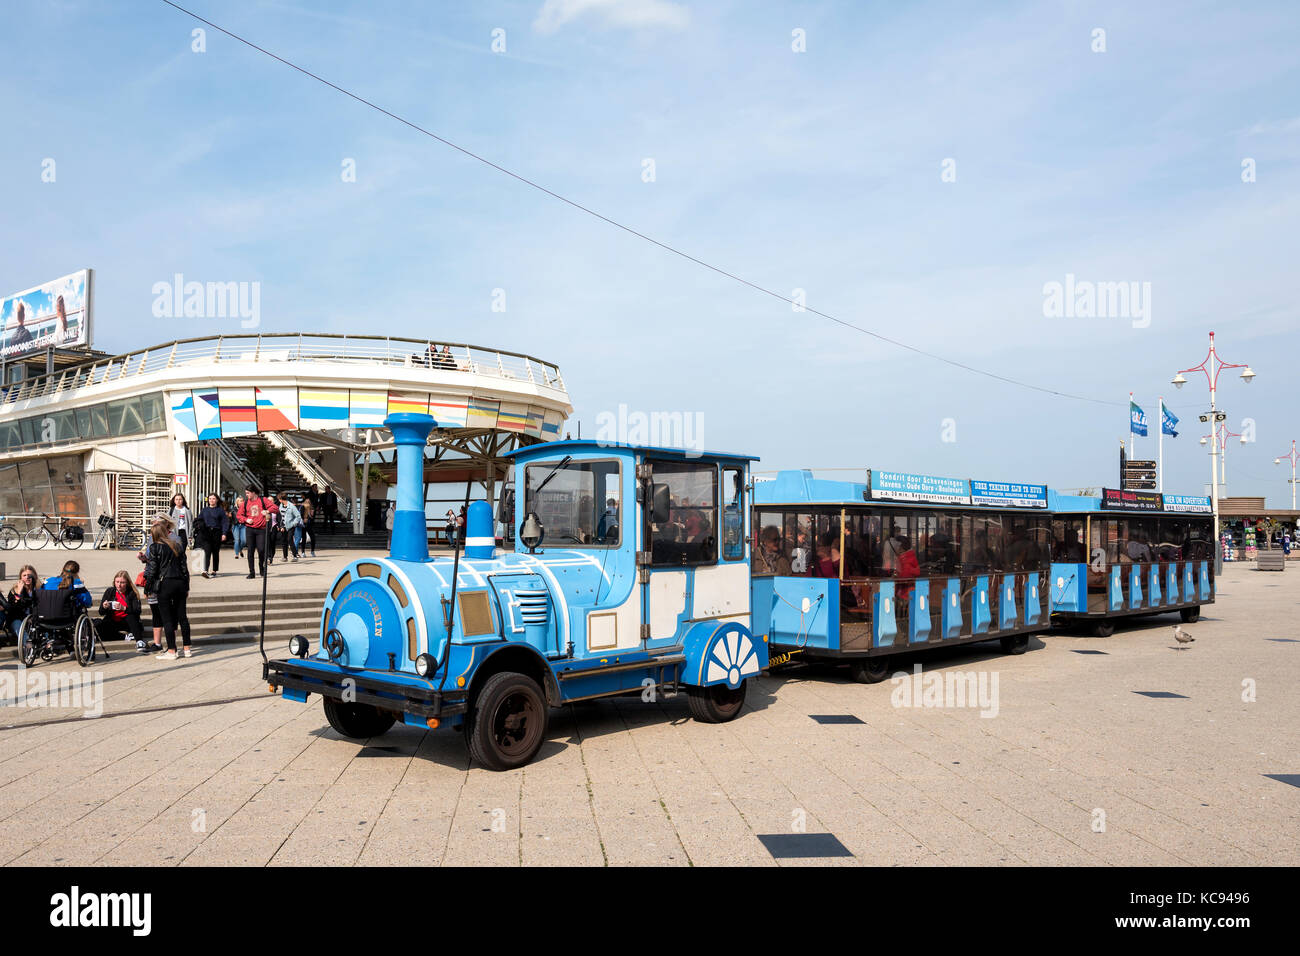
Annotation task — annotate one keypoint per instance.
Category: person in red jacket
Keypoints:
(256, 514)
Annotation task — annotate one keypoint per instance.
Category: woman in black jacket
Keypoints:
(120, 611)
(18, 602)
(212, 529)
(166, 575)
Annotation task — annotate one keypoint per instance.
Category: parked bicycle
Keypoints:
(109, 536)
(9, 536)
(71, 536)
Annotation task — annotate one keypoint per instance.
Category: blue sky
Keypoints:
(818, 170)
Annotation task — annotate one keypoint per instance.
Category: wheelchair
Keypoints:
(57, 625)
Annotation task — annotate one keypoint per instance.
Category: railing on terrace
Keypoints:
(281, 347)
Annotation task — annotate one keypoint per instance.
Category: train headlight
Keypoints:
(299, 646)
(425, 665)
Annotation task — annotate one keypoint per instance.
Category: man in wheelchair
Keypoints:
(59, 622)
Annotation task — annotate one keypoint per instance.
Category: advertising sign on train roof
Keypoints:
(1115, 499)
(1007, 494)
(900, 486)
(1189, 504)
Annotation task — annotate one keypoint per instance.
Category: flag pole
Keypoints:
(1130, 426)
(1160, 446)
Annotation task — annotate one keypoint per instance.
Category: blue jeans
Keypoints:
(297, 538)
(239, 532)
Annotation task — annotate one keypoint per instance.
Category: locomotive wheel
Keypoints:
(357, 721)
(508, 723)
(870, 670)
(1190, 615)
(716, 704)
(1015, 644)
(83, 641)
(1103, 628)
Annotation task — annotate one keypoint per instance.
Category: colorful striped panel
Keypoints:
(369, 409)
(207, 415)
(417, 402)
(277, 409)
(534, 426)
(184, 426)
(238, 412)
(512, 418)
(449, 411)
(551, 426)
(318, 408)
(482, 413)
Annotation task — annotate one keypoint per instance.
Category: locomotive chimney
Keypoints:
(410, 432)
(480, 542)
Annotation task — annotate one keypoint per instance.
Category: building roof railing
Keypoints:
(280, 347)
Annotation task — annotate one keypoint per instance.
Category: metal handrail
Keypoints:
(266, 348)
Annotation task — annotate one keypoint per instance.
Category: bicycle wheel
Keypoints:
(37, 537)
(70, 540)
(9, 537)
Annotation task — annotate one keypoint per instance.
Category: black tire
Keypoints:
(1190, 615)
(869, 670)
(36, 538)
(507, 724)
(1015, 644)
(9, 537)
(716, 704)
(70, 540)
(357, 721)
(26, 650)
(83, 641)
(1103, 629)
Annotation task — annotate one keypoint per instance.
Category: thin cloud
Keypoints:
(619, 14)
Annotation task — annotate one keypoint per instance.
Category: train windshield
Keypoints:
(578, 502)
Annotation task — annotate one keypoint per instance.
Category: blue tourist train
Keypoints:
(629, 574)
(1130, 554)
(859, 573)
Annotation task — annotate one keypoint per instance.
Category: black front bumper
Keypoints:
(398, 693)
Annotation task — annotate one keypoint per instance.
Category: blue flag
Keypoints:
(1168, 421)
(1137, 419)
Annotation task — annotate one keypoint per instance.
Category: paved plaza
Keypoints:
(194, 763)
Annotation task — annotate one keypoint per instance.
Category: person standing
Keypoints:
(329, 503)
(254, 514)
(450, 527)
(183, 518)
(236, 529)
(214, 524)
(119, 610)
(309, 526)
(290, 524)
(389, 511)
(166, 574)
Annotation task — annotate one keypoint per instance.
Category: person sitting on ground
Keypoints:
(18, 602)
(119, 610)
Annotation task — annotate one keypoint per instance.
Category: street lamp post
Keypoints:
(1291, 457)
(1212, 365)
(1223, 434)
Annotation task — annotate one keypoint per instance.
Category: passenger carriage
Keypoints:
(859, 573)
(629, 574)
(1130, 554)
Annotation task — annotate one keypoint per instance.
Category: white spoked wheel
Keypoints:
(27, 643)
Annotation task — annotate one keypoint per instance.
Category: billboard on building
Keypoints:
(55, 314)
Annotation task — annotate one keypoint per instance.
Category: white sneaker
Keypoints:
(167, 656)
(189, 651)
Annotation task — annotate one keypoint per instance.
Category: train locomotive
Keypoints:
(630, 574)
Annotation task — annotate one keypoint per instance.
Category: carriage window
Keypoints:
(733, 514)
(690, 535)
(578, 504)
(1067, 541)
(769, 554)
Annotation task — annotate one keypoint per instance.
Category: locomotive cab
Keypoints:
(629, 574)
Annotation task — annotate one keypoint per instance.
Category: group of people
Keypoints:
(439, 358)
(163, 585)
(254, 523)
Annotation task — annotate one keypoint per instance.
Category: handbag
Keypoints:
(139, 580)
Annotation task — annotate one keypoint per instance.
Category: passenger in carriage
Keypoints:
(1069, 550)
(939, 556)
(768, 558)
(982, 558)
(1138, 549)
